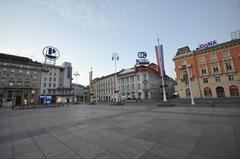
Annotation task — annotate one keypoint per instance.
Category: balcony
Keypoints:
(214, 60)
(226, 58)
(202, 62)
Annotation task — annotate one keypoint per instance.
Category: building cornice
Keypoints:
(224, 45)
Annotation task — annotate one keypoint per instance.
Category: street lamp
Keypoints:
(115, 58)
(189, 83)
(76, 74)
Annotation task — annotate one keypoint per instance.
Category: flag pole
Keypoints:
(161, 70)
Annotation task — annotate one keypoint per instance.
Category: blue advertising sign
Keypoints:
(142, 55)
(46, 99)
(69, 72)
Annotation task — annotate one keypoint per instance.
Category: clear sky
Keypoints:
(87, 32)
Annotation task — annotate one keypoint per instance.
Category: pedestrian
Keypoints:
(14, 103)
(67, 101)
(24, 103)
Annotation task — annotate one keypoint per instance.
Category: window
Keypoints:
(207, 92)
(49, 85)
(201, 59)
(225, 54)
(217, 79)
(139, 86)
(44, 85)
(188, 93)
(50, 79)
(132, 79)
(27, 78)
(213, 56)
(28, 72)
(228, 66)
(54, 85)
(54, 79)
(19, 83)
(204, 71)
(11, 83)
(215, 69)
(205, 80)
(138, 78)
(45, 79)
(233, 89)
(144, 77)
(230, 77)
(26, 83)
(133, 87)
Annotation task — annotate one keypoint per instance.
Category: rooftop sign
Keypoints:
(207, 45)
(51, 53)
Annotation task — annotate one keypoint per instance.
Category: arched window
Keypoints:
(220, 91)
(188, 93)
(207, 92)
(233, 89)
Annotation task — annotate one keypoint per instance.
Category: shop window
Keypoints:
(207, 92)
(188, 93)
(233, 89)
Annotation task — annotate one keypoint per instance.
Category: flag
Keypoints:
(160, 60)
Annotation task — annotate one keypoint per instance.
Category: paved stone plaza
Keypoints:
(120, 132)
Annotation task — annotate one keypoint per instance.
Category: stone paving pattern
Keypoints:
(120, 132)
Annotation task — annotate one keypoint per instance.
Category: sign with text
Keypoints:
(208, 44)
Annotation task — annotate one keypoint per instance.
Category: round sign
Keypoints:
(142, 55)
(51, 53)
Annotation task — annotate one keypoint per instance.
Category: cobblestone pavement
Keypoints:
(120, 132)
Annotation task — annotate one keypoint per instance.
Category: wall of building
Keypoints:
(211, 68)
(19, 80)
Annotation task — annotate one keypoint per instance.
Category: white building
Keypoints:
(140, 83)
(56, 82)
(104, 88)
(77, 91)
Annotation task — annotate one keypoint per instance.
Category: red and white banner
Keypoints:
(160, 60)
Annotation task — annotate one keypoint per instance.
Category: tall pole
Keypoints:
(162, 73)
(190, 84)
(115, 58)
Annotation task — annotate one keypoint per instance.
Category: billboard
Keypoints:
(69, 72)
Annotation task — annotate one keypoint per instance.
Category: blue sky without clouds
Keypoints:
(87, 32)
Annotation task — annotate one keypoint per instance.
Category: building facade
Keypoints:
(214, 71)
(20, 79)
(103, 89)
(56, 83)
(77, 91)
(141, 82)
(138, 83)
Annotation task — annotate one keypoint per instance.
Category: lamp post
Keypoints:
(76, 74)
(115, 58)
(189, 83)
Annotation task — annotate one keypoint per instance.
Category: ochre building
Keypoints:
(214, 71)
